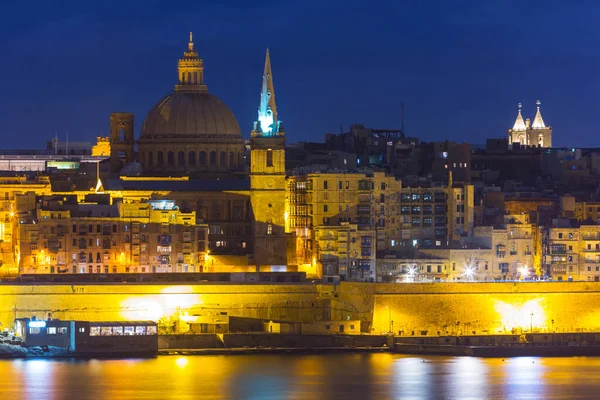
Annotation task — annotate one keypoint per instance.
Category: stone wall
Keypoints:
(151, 302)
(460, 308)
(446, 307)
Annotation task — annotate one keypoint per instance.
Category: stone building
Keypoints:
(189, 132)
(572, 251)
(60, 235)
(535, 134)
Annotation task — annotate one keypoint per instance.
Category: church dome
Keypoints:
(190, 114)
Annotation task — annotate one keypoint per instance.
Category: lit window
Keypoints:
(269, 229)
(95, 331)
(140, 330)
(117, 330)
(129, 331)
(51, 330)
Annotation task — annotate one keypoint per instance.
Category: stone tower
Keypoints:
(267, 177)
(530, 134)
(122, 140)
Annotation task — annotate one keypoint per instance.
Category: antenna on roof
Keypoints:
(402, 108)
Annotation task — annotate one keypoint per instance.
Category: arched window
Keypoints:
(231, 159)
(189, 78)
(192, 158)
(160, 160)
(182, 77)
(150, 158)
(202, 158)
(181, 159)
(170, 159)
(223, 158)
(213, 158)
(195, 78)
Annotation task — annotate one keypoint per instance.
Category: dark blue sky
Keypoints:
(460, 67)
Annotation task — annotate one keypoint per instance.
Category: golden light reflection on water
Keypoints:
(311, 377)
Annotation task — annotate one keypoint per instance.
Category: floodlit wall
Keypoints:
(152, 302)
(455, 308)
(452, 308)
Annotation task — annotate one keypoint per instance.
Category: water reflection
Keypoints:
(292, 377)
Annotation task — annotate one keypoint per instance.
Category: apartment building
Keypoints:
(60, 235)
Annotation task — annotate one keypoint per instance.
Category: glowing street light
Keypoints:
(411, 274)
(469, 273)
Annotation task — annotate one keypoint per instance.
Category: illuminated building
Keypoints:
(535, 134)
(189, 132)
(102, 147)
(425, 269)
(572, 251)
(59, 235)
(338, 218)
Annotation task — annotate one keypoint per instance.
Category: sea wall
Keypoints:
(450, 308)
(119, 302)
(461, 308)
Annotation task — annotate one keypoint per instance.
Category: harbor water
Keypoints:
(301, 376)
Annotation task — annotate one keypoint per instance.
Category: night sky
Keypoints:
(460, 67)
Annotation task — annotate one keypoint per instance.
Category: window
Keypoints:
(325, 208)
(213, 158)
(95, 331)
(269, 158)
(140, 330)
(202, 158)
(51, 330)
(170, 159)
(269, 229)
(192, 158)
(223, 158)
(160, 158)
(129, 331)
(325, 185)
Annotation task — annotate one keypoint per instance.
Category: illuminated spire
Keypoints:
(190, 70)
(538, 122)
(519, 123)
(267, 112)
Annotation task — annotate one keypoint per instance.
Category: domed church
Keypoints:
(189, 132)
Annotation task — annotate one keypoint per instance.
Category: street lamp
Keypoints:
(389, 318)
(531, 323)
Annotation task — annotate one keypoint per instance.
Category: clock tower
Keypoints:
(267, 177)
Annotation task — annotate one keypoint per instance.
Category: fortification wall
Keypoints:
(446, 307)
(151, 302)
(484, 307)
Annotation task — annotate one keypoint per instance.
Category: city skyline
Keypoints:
(477, 68)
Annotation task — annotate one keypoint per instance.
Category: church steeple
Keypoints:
(538, 122)
(190, 70)
(519, 123)
(267, 123)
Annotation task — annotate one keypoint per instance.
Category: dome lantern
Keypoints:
(190, 70)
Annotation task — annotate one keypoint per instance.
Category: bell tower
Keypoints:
(267, 177)
(122, 140)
